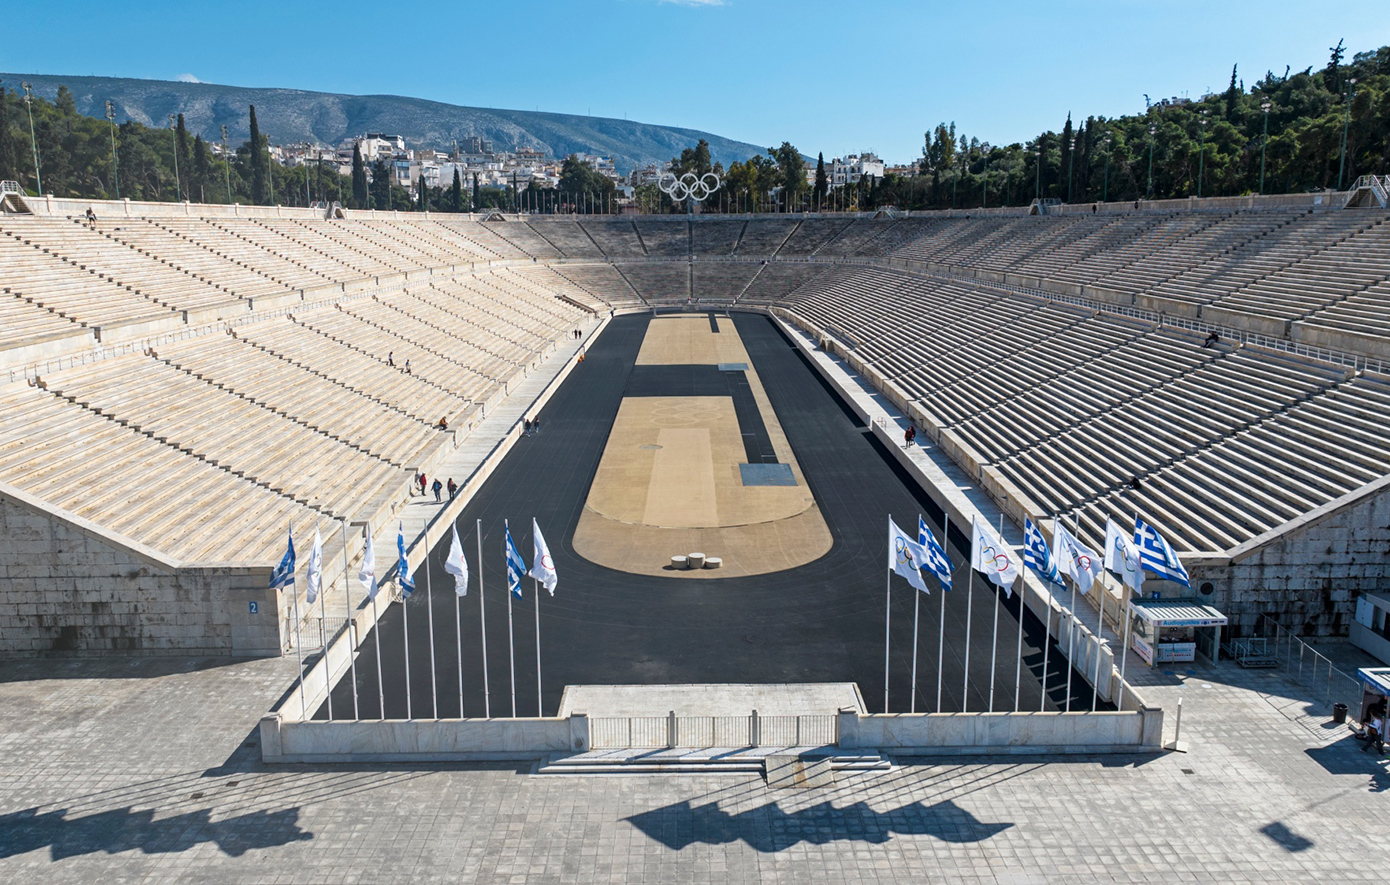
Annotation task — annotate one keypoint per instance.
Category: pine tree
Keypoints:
(457, 192)
(359, 179)
(258, 189)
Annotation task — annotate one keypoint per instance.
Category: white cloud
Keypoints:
(187, 78)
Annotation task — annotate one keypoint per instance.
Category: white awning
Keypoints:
(1178, 613)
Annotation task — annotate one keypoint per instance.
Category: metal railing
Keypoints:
(1307, 667)
(705, 732)
(312, 633)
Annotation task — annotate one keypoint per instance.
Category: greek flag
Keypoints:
(402, 567)
(1155, 554)
(1036, 554)
(516, 566)
(283, 575)
(936, 561)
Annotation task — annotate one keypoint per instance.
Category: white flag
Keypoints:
(457, 566)
(990, 555)
(906, 556)
(367, 574)
(1074, 559)
(542, 566)
(1121, 556)
(315, 569)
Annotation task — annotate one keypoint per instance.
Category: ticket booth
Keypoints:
(1174, 630)
(1375, 689)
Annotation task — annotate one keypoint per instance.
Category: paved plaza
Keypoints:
(130, 770)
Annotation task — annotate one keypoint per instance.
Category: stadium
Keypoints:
(185, 382)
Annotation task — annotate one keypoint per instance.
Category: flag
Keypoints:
(1036, 554)
(457, 566)
(1121, 556)
(990, 555)
(367, 573)
(315, 568)
(542, 566)
(905, 556)
(402, 566)
(283, 575)
(1074, 559)
(516, 566)
(1155, 554)
(936, 561)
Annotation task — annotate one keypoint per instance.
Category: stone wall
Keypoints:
(68, 587)
(1307, 574)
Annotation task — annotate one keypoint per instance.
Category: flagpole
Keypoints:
(969, 605)
(1047, 643)
(376, 638)
(458, 634)
(916, 619)
(351, 625)
(511, 639)
(994, 646)
(323, 627)
(1124, 638)
(482, 619)
(1018, 659)
(887, 618)
(1100, 626)
(405, 631)
(429, 612)
(298, 644)
(941, 636)
(1071, 640)
(535, 588)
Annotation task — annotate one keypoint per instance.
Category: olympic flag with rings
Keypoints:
(1074, 559)
(1121, 556)
(906, 556)
(542, 566)
(688, 186)
(991, 556)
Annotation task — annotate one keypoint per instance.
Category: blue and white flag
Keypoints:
(516, 566)
(936, 561)
(283, 575)
(402, 566)
(315, 576)
(905, 556)
(1036, 554)
(1155, 554)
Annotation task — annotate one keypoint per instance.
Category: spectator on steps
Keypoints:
(407, 367)
(437, 488)
(391, 358)
(444, 423)
(453, 488)
(1213, 338)
(91, 218)
(422, 482)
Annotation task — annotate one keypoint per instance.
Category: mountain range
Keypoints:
(293, 115)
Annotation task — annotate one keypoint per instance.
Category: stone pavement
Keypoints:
(130, 770)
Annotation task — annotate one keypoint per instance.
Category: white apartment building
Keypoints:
(849, 170)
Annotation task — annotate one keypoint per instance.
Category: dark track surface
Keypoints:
(821, 622)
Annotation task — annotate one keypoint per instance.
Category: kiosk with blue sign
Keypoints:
(1174, 630)
(1375, 689)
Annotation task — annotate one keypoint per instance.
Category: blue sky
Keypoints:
(834, 77)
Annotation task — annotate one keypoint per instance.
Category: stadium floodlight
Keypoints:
(227, 164)
(1071, 161)
(1346, 126)
(178, 185)
(1264, 142)
(1105, 188)
(33, 141)
(115, 170)
(1202, 163)
(1037, 188)
(1153, 132)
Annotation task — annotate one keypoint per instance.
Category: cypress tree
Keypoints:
(359, 179)
(381, 184)
(258, 190)
(457, 193)
(185, 159)
(475, 191)
(1064, 166)
(202, 168)
(822, 183)
(424, 194)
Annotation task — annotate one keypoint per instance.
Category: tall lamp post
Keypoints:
(1264, 142)
(1071, 161)
(984, 184)
(33, 141)
(115, 170)
(1037, 186)
(227, 164)
(1202, 162)
(1346, 126)
(1105, 188)
(178, 185)
(1153, 133)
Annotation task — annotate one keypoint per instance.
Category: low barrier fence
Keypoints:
(1300, 664)
(704, 732)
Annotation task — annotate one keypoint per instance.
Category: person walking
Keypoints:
(91, 218)
(453, 488)
(437, 488)
(422, 482)
(536, 425)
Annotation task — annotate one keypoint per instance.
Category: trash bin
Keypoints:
(1339, 713)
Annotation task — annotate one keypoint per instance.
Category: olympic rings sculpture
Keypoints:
(688, 186)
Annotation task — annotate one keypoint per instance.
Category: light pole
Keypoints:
(984, 184)
(115, 170)
(1037, 187)
(1264, 142)
(226, 164)
(1071, 161)
(33, 141)
(1346, 126)
(1202, 162)
(178, 186)
(1105, 187)
(1153, 132)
